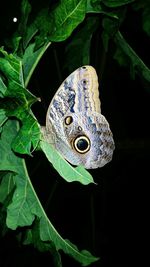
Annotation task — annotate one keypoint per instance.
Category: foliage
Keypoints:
(77, 21)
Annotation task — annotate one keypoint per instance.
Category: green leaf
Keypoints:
(10, 66)
(17, 102)
(33, 237)
(28, 135)
(21, 36)
(31, 59)
(18, 106)
(9, 161)
(25, 11)
(96, 6)
(15, 43)
(116, 3)
(93, 7)
(84, 252)
(30, 33)
(21, 98)
(43, 23)
(136, 64)
(121, 57)
(25, 205)
(111, 25)
(3, 88)
(78, 49)
(144, 7)
(66, 17)
(69, 173)
(7, 187)
(146, 20)
(3, 117)
(47, 234)
(7, 184)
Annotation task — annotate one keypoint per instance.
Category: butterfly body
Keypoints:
(74, 123)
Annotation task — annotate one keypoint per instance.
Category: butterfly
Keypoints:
(74, 123)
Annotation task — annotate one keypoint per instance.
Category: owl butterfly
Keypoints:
(74, 123)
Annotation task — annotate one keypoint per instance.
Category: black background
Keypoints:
(108, 219)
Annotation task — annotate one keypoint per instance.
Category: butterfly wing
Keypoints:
(74, 121)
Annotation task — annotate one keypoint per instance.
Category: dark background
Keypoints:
(108, 219)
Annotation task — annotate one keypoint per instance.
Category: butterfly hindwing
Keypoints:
(78, 129)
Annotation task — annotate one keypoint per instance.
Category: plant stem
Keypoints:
(135, 59)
